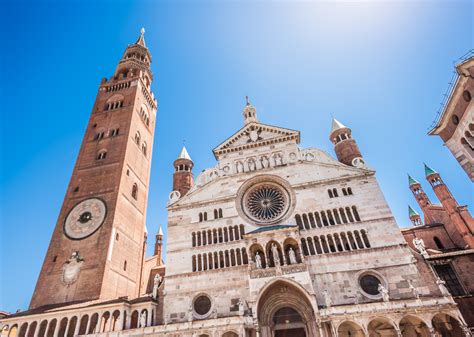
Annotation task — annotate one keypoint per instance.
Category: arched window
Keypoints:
(125, 265)
(330, 194)
(99, 135)
(135, 191)
(438, 242)
(298, 221)
(334, 191)
(144, 148)
(344, 192)
(349, 191)
(200, 217)
(137, 138)
(101, 155)
(220, 212)
(114, 132)
(356, 214)
(216, 214)
(205, 216)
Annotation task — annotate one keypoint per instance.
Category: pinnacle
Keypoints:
(411, 211)
(429, 170)
(336, 125)
(184, 154)
(411, 181)
(141, 38)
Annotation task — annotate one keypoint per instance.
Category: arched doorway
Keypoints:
(350, 329)
(284, 309)
(381, 327)
(288, 322)
(447, 326)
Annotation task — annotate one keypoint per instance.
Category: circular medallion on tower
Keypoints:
(265, 200)
(85, 218)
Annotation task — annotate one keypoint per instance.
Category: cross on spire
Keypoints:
(247, 100)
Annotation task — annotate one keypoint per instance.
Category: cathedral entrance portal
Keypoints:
(284, 310)
(288, 323)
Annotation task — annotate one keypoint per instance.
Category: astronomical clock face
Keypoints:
(85, 218)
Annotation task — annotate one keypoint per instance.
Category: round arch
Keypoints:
(447, 325)
(350, 329)
(230, 334)
(285, 294)
(380, 326)
(413, 326)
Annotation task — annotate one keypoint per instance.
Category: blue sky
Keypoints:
(379, 67)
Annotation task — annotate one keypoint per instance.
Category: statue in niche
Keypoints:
(384, 292)
(414, 290)
(241, 306)
(292, 256)
(327, 298)
(276, 256)
(420, 246)
(442, 286)
(258, 260)
(264, 161)
(142, 321)
(156, 285)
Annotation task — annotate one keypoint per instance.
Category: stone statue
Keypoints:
(264, 162)
(190, 313)
(156, 285)
(420, 246)
(142, 323)
(384, 292)
(414, 290)
(276, 256)
(241, 306)
(258, 261)
(292, 255)
(442, 286)
(327, 298)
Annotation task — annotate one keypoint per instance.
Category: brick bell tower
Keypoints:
(183, 179)
(345, 146)
(96, 250)
(459, 215)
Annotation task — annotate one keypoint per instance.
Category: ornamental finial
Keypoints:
(247, 99)
(142, 31)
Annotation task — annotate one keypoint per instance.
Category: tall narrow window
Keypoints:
(438, 243)
(144, 148)
(135, 191)
(330, 194)
(447, 274)
(137, 138)
(101, 155)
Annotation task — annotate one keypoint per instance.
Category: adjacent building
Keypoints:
(444, 240)
(455, 125)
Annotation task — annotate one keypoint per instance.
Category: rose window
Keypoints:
(265, 200)
(266, 203)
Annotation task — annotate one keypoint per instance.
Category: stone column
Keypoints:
(88, 323)
(67, 326)
(78, 325)
(57, 327)
(148, 316)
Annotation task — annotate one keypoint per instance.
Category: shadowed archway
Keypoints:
(283, 309)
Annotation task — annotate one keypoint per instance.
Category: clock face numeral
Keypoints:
(85, 218)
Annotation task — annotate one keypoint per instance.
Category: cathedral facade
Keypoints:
(274, 240)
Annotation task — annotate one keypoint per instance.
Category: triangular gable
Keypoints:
(256, 134)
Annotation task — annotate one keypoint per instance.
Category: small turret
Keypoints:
(421, 197)
(345, 146)
(414, 217)
(460, 217)
(183, 179)
(159, 244)
(249, 112)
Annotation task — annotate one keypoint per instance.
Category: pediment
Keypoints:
(254, 135)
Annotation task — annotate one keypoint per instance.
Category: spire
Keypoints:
(336, 125)
(249, 112)
(141, 38)
(429, 170)
(411, 181)
(411, 211)
(184, 154)
(160, 231)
